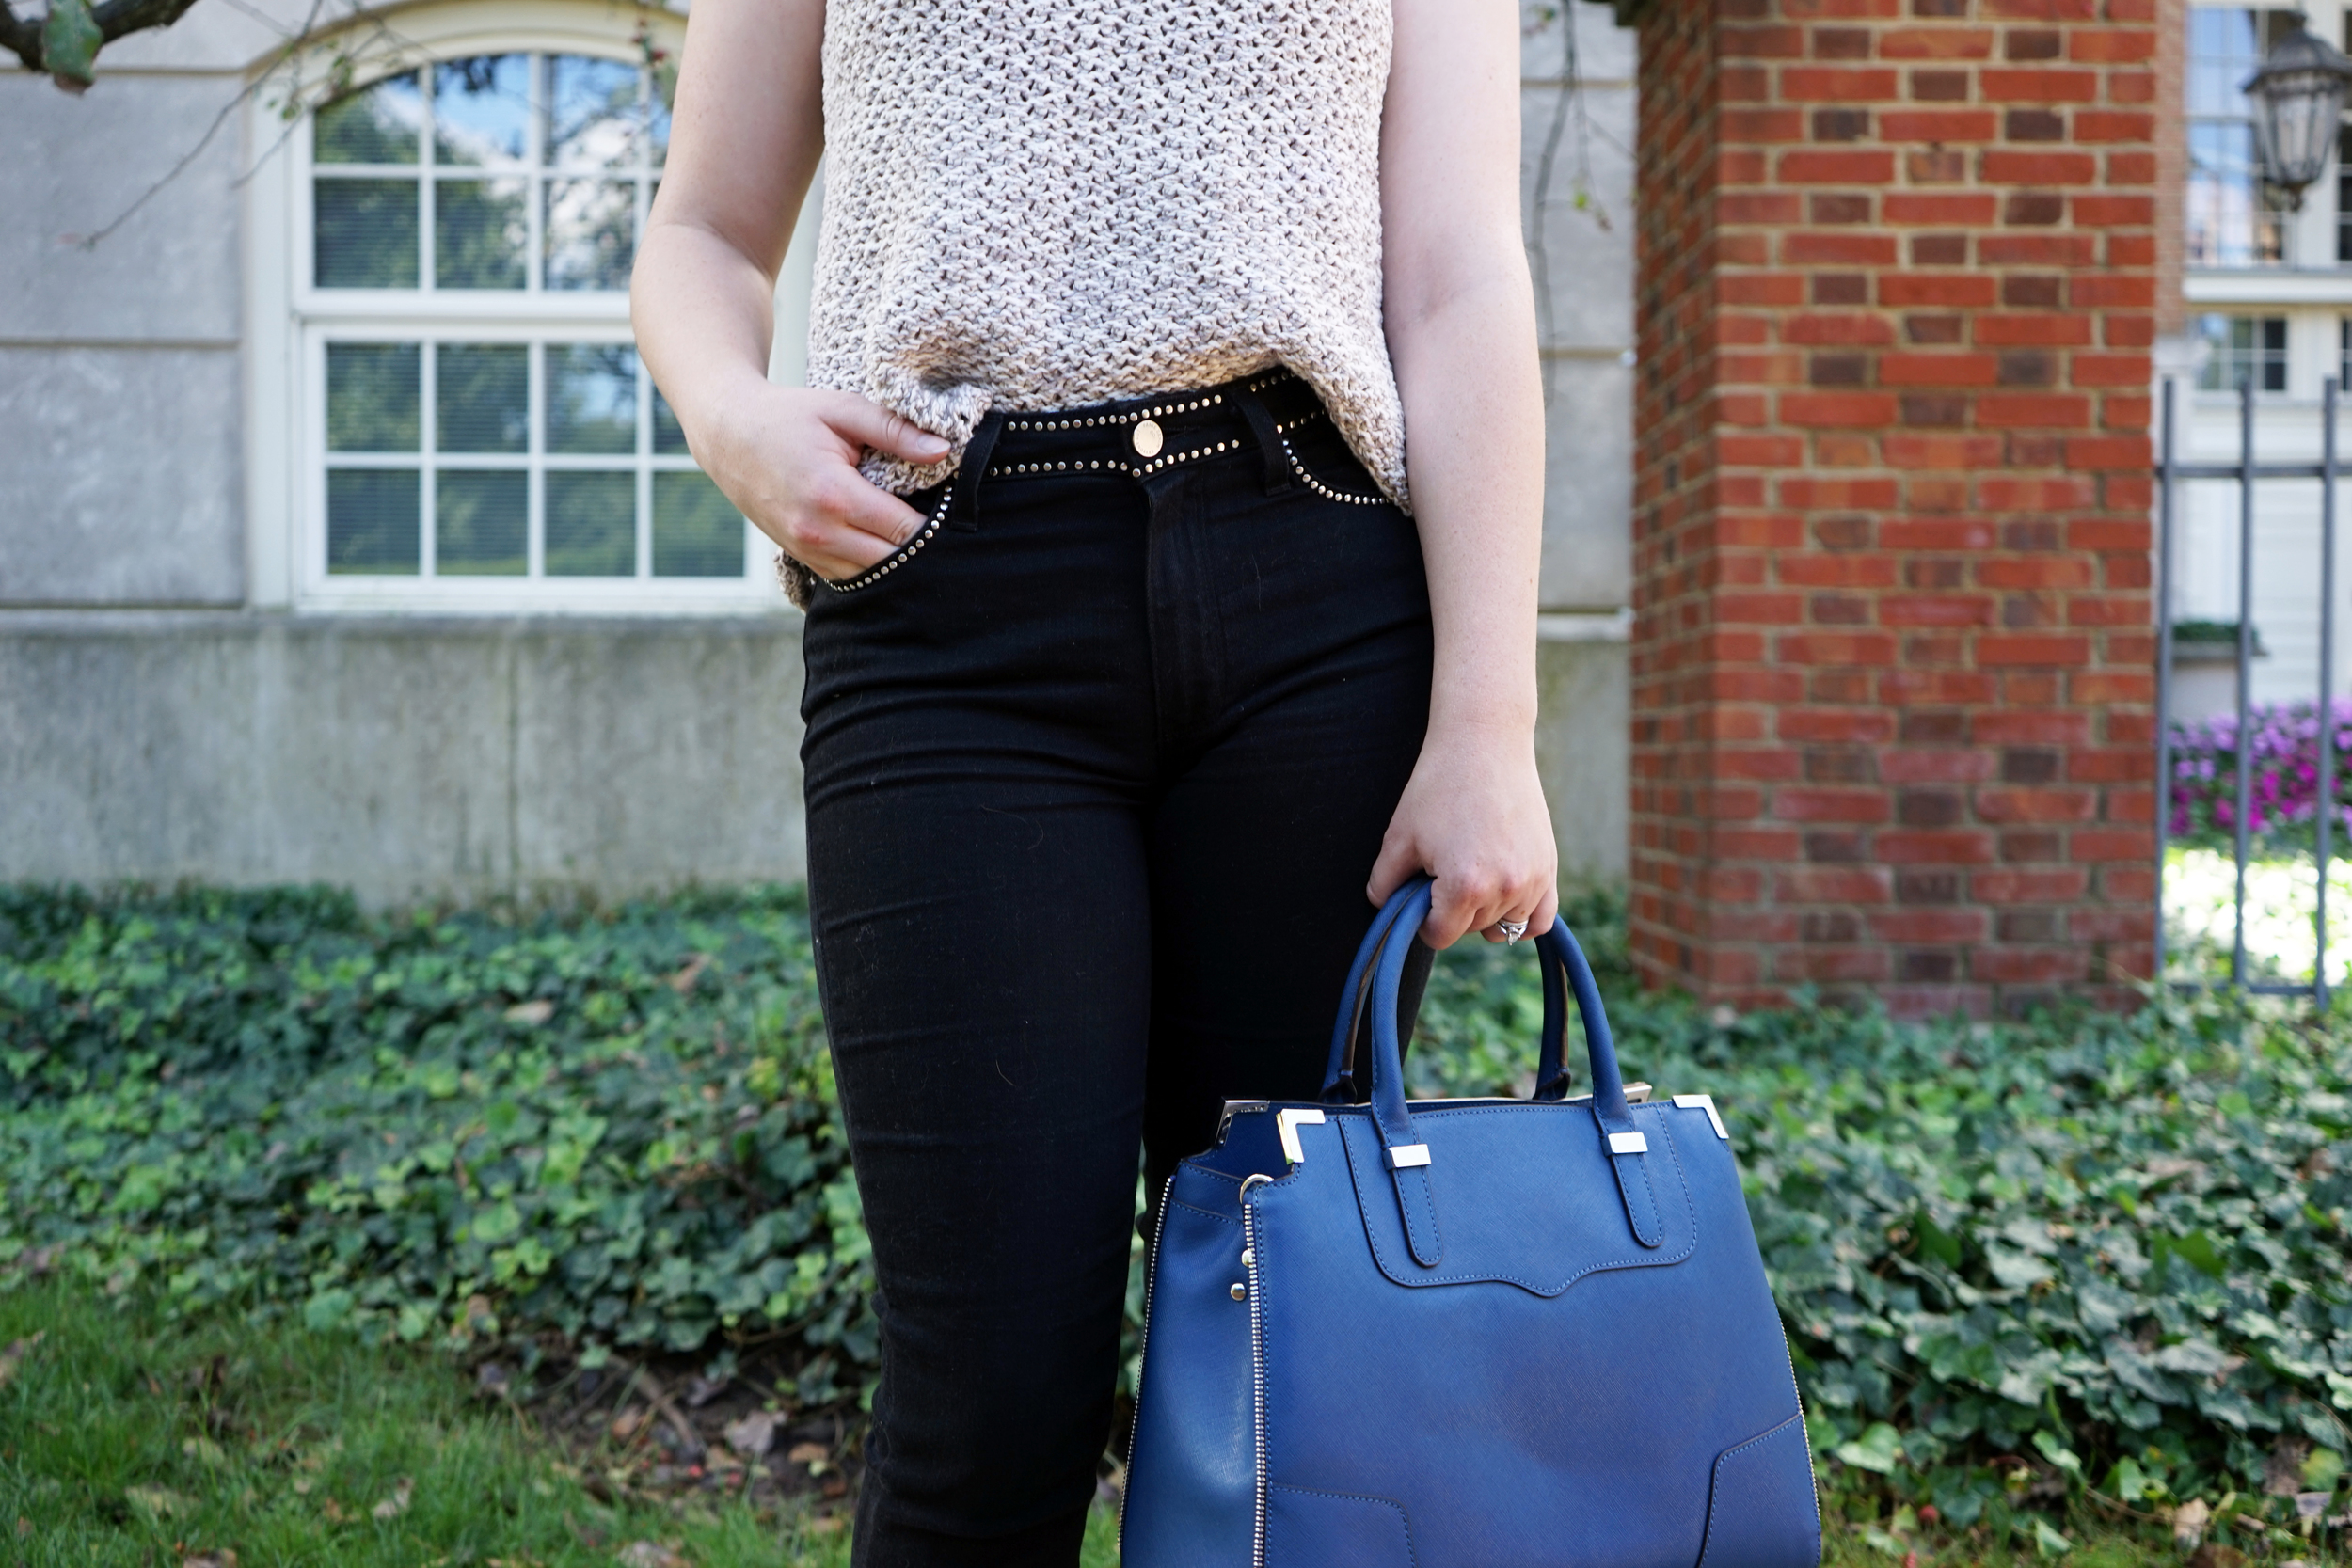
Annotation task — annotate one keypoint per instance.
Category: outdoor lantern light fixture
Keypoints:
(2298, 99)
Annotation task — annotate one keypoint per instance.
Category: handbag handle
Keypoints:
(1558, 950)
(1349, 1036)
(1407, 1157)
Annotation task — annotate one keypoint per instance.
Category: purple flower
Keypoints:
(2281, 747)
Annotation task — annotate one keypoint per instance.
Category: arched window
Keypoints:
(476, 429)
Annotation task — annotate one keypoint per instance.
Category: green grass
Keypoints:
(128, 1439)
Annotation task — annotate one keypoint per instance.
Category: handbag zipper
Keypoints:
(1804, 1427)
(1151, 1280)
(1257, 1382)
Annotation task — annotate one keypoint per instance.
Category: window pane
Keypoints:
(696, 530)
(2243, 348)
(480, 229)
(2343, 195)
(481, 109)
(372, 521)
(668, 439)
(589, 227)
(373, 400)
(365, 234)
(592, 525)
(594, 117)
(481, 397)
(2213, 375)
(2223, 53)
(376, 125)
(2231, 221)
(481, 518)
(662, 90)
(592, 397)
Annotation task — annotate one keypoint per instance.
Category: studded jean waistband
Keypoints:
(1143, 436)
(1251, 416)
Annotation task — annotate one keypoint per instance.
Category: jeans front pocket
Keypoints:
(932, 504)
(1321, 459)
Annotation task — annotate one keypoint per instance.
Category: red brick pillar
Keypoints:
(1892, 661)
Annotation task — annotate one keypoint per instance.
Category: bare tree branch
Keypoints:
(291, 114)
(90, 240)
(22, 35)
(115, 18)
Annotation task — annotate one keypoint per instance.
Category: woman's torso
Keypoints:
(1040, 204)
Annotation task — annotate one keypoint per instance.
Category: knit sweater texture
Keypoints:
(1041, 205)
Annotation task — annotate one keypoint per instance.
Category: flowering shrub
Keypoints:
(2282, 744)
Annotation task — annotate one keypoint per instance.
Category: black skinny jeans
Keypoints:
(1095, 776)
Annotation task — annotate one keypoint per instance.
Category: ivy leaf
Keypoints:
(1875, 1449)
(2196, 1249)
(2048, 1541)
(2053, 1447)
(69, 40)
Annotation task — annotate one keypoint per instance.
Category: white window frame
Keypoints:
(2308, 272)
(291, 321)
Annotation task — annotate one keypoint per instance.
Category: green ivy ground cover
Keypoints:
(2090, 1260)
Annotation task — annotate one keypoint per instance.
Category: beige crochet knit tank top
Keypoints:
(1037, 204)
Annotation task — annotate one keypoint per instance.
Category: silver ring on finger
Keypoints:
(1512, 930)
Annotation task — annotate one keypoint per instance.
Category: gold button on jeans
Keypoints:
(1147, 437)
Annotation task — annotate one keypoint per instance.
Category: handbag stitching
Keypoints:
(1429, 1206)
(1813, 1493)
(1169, 1203)
(1654, 1207)
(1652, 1260)
(1402, 1517)
(1716, 1479)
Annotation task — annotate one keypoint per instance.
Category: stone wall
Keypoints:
(405, 758)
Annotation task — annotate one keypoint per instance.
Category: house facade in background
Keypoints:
(348, 541)
(2265, 296)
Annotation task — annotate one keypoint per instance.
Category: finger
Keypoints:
(845, 526)
(1458, 905)
(1399, 858)
(863, 507)
(1532, 905)
(869, 424)
(833, 550)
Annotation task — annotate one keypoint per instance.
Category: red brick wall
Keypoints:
(1892, 657)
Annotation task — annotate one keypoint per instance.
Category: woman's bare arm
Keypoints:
(1461, 327)
(744, 142)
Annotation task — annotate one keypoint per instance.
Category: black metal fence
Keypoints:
(2172, 473)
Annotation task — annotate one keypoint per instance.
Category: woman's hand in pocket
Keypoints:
(788, 456)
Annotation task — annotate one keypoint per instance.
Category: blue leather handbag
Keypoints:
(1465, 1333)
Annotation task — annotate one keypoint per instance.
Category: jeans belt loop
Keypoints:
(964, 511)
(1278, 467)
